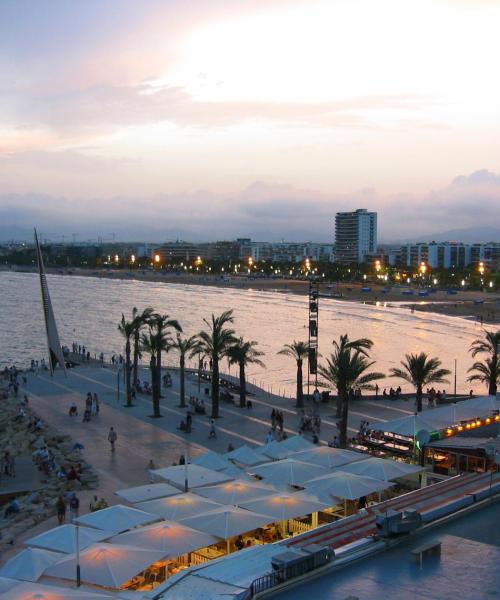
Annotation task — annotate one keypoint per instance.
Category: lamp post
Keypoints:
(455, 380)
(77, 543)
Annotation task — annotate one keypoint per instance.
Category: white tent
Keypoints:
(411, 425)
(380, 468)
(235, 473)
(108, 565)
(286, 506)
(235, 492)
(344, 485)
(274, 450)
(37, 591)
(211, 460)
(117, 518)
(173, 539)
(142, 493)
(197, 476)
(288, 472)
(228, 521)
(179, 507)
(297, 443)
(29, 564)
(328, 457)
(63, 538)
(245, 455)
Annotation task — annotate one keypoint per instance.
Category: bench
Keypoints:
(431, 548)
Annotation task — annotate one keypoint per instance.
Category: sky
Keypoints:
(210, 119)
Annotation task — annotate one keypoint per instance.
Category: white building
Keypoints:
(355, 236)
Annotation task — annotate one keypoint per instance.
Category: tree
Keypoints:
(214, 343)
(487, 372)
(140, 320)
(298, 351)
(420, 370)
(243, 353)
(186, 347)
(149, 343)
(162, 325)
(345, 370)
(126, 328)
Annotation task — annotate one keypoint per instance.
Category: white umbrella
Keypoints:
(7, 584)
(173, 539)
(286, 506)
(287, 472)
(117, 518)
(179, 507)
(141, 493)
(235, 492)
(234, 472)
(344, 485)
(381, 468)
(274, 450)
(211, 460)
(37, 591)
(328, 457)
(30, 564)
(228, 521)
(63, 538)
(108, 565)
(197, 476)
(245, 455)
(411, 425)
(296, 443)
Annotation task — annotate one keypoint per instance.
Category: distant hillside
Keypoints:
(471, 235)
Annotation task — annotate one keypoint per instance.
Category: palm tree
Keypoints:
(187, 346)
(214, 343)
(140, 320)
(420, 370)
(298, 351)
(488, 371)
(126, 328)
(162, 324)
(244, 353)
(149, 343)
(345, 370)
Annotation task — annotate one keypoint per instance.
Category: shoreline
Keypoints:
(482, 307)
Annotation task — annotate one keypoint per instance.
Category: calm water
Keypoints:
(88, 309)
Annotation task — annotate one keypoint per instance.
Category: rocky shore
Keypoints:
(20, 440)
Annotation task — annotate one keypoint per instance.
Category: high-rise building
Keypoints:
(355, 236)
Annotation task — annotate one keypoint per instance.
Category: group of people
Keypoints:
(91, 407)
(393, 393)
(197, 405)
(434, 397)
(61, 507)
(310, 421)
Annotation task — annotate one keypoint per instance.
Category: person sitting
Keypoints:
(239, 543)
(182, 425)
(73, 410)
(249, 404)
(72, 475)
(12, 509)
(86, 415)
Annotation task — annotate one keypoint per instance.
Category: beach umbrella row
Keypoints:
(63, 538)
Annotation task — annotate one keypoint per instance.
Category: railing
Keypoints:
(265, 582)
(270, 580)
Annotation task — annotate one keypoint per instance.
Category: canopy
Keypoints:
(37, 591)
(245, 455)
(411, 425)
(286, 506)
(141, 493)
(117, 518)
(211, 460)
(197, 476)
(380, 468)
(30, 564)
(173, 539)
(228, 521)
(324, 456)
(179, 507)
(274, 450)
(235, 473)
(288, 472)
(344, 485)
(297, 443)
(7, 584)
(236, 492)
(63, 538)
(109, 565)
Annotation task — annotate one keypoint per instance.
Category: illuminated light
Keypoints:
(435, 281)
(157, 258)
(132, 259)
(449, 431)
(117, 258)
(491, 284)
(463, 282)
(460, 428)
(487, 420)
(473, 425)
(467, 426)
(497, 417)
(478, 422)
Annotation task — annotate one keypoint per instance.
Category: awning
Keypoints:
(197, 476)
(142, 493)
(179, 507)
(30, 564)
(108, 565)
(345, 486)
(37, 591)
(324, 456)
(236, 492)
(173, 539)
(245, 455)
(381, 468)
(117, 518)
(63, 538)
(211, 460)
(287, 472)
(411, 425)
(286, 506)
(228, 521)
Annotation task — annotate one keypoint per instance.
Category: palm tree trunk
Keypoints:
(136, 358)
(215, 387)
(492, 387)
(158, 372)
(243, 386)
(127, 372)
(419, 398)
(181, 376)
(344, 399)
(155, 390)
(300, 394)
(338, 413)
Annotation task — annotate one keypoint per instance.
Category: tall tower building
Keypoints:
(355, 236)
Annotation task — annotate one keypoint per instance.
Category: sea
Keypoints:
(88, 310)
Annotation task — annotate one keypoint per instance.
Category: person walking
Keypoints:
(112, 437)
(61, 510)
(74, 506)
(93, 406)
(212, 433)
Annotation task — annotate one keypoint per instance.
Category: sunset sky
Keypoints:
(224, 118)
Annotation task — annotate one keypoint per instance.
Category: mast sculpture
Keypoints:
(53, 343)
